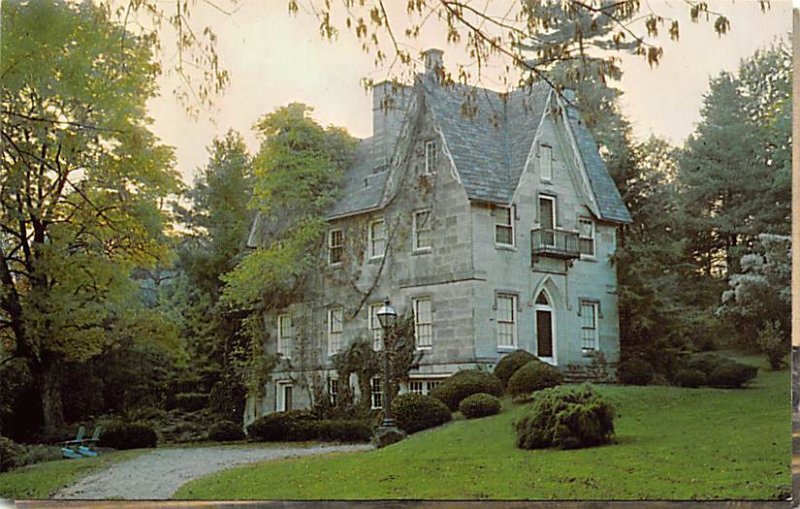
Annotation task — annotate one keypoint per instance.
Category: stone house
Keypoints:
(491, 216)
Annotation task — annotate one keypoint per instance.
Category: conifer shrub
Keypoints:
(706, 362)
(479, 405)
(226, 431)
(566, 418)
(10, 451)
(635, 371)
(415, 412)
(534, 376)
(466, 383)
(509, 365)
(689, 378)
(128, 435)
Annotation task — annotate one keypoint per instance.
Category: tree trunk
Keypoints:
(47, 374)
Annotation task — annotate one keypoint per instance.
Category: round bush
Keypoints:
(294, 425)
(479, 405)
(466, 383)
(415, 412)
(566, 418)
(9, 452)
(731, 375)
(344, 430)
(128, 435)
(706, 362)
(635, 372)
(534, 376)
(689, 378)
(509, 365)
(225, 431)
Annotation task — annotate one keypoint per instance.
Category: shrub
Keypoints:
(479, 405)
(225, 431)
(290, 426)
(415, 412)
(466, 383)
(344, 430)
(227, 400)
(10, 451)
(38, 453)
(191, 401)
(566, 418)
(774, 344)
(731, 375)
(635, 372)
(128, 435)
(509, 365)
(689, 378)
(706, 362)
(534, 376)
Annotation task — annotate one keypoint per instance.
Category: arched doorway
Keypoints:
(545, 327)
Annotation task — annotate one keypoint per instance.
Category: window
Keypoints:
(335, 246)
(335, 317)
(423, 322)
(507, 321)
(422, 230)
(547, 220)
(546, 158)
(544, 328)
(504, 226)
(333, 390)
(377, 392)
(586, 237)
(430, 157)
(285, 334)
(375, 327)
(422, 386)
(589, 337)
(377, 238)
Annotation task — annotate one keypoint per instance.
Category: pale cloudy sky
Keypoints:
(275, 59)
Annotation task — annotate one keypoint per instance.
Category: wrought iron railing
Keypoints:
(554, 243)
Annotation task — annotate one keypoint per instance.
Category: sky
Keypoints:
(275, 58)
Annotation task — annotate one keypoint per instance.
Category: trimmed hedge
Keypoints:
(706, 362)
(534, 376)
(635, 372)
(415, 412)
(9, 452)
(128, 435)
(300, 425)
(226, 431)
(479, 405)
(466, 383)
(510, 363)
(566, 418)
(732, 375)
(689, 378)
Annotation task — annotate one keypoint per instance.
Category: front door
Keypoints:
(287, 397)
(544, 333)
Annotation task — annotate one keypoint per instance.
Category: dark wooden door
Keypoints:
(544, 333)
(287, 397)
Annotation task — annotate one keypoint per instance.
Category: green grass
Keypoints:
(42, 480)
(672, 443)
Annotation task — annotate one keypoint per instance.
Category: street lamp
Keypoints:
(387, 316)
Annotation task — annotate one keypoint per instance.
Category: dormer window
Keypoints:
(546, 162)
(335, 246)
(504, 226)
(430, 157)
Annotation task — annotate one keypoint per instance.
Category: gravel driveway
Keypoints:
(158, 474)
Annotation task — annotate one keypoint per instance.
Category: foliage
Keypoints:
(689, 378)
(566, 418)
(415, 412)
(669, 423)
(300, 425)
(534, 376)
(227, 400)
(772, 341)
(479, 405)
(706, 362)
(128, 435)
(731, 375)
(510, 363)
(635, 371)
(191, 401)
(226, 431)
(10, 451)
(84, 181)
(466, 383)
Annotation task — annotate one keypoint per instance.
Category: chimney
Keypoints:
(389, 103)
(433, 61)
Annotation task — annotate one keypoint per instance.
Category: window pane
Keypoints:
(546, 159)
(423, 327)
(586, 241)
(506, 326)
(504, 235)
(375, 327)
(422, 230)
(377, 234)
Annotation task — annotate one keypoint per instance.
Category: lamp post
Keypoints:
(387, 316)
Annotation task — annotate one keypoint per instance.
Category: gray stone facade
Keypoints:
(427, 159)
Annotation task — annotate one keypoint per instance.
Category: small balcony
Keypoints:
(554, 243)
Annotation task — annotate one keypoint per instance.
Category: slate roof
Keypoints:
(489, 136)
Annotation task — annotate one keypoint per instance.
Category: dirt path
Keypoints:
(158, 474)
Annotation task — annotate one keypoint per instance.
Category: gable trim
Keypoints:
(531, 149)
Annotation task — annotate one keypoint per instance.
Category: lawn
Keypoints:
(672, 443)
(42, 480)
